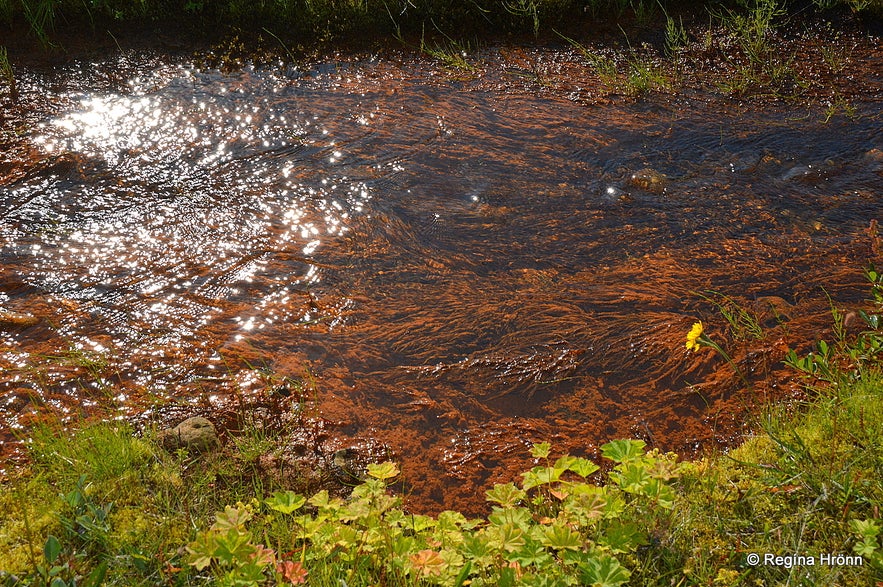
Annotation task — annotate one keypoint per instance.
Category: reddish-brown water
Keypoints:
(462, 265)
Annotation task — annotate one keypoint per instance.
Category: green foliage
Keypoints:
(847, 361)
(286, 502)
(449, 52)
(753, 26)
(67, 562)
(640, 75)
(675, 35)
(7, 75)
(227, 549)
(40, 14)
(101, 453)
(526, 9)
(808, 483)
(555, 526)
(645, 12)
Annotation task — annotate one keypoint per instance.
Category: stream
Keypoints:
(448, 266)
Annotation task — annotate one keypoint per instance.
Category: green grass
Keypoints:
(7, 75)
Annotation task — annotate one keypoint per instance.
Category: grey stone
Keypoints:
(197, 434)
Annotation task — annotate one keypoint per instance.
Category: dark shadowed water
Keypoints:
(460, 264)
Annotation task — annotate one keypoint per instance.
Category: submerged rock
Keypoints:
(650, 180)
(195, 433)
(10, 319)
(772, 310)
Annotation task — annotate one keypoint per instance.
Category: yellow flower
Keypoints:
(693, 336)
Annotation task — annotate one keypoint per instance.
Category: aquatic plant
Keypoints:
(743, 323)
(754, 25)
(450, 52)
(40, 14)
(321, 20)
(696, 338)
(528, 9)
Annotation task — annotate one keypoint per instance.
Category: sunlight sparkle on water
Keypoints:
(177, 215)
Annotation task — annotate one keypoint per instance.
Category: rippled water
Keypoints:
(463, 265)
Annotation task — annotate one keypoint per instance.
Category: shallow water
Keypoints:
(460, 265)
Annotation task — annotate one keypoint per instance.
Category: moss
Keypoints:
(28, 510)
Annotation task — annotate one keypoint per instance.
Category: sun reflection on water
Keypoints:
(183, 202)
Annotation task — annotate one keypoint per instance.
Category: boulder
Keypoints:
(196, 434)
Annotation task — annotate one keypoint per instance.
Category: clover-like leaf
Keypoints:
(532, 553)
(292, 571)
(263, 556)
(507, 495)
(633, 478)
(865, 549)
(623, 450)
(286, 501)
(583, 467)
(540, 476)
(563, 463)
(520, 517)
(428, 563)
(541, 450)
(231, 518)
(622, 537)
(346, 536)
(201, 550)
(419, 522)
(588, 506)
(323, 501)
(866, 528)
(477, 547)
(660, 492)
(560, 537)
(234, 546)
(604, 571)
(451, 521)
(383, 471)
(511, 537)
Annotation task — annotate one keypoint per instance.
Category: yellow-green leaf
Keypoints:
(541, 450)
(383, 471)
(506, 495)
(286, 501)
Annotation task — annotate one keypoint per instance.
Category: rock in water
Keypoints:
(649, 180)
(195, 433)
(10, 319)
